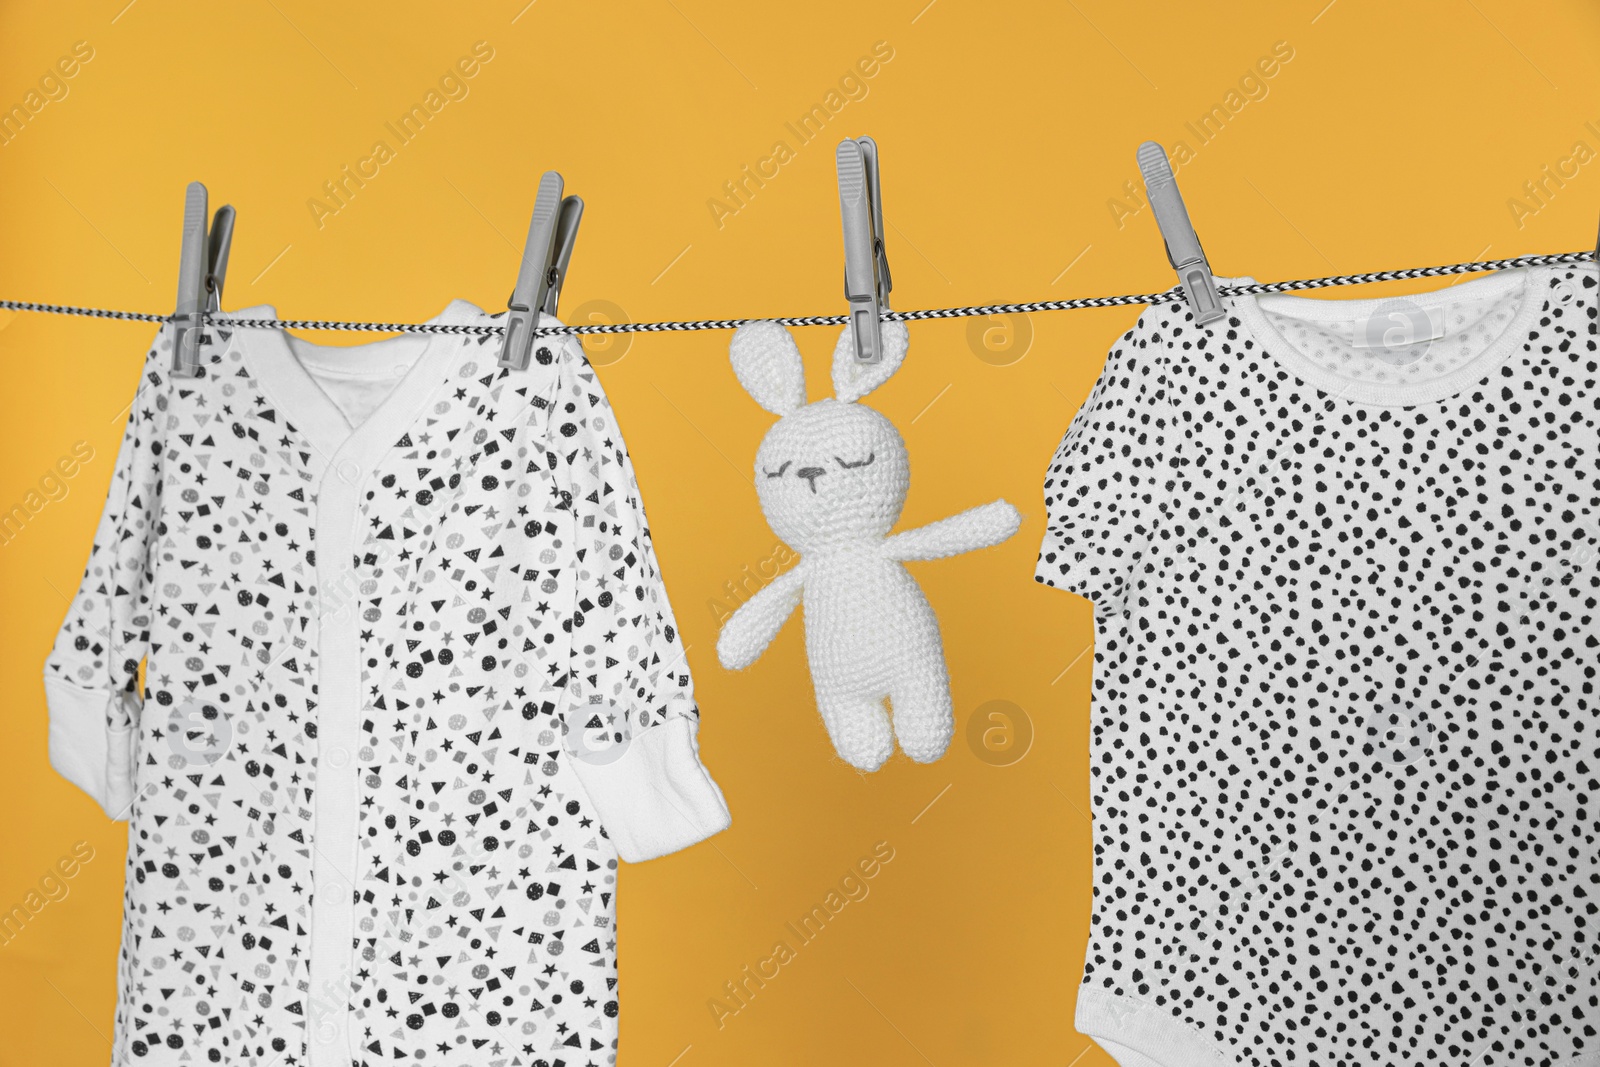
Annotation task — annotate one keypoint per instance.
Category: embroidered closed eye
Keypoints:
(779, 472)
(858, 463)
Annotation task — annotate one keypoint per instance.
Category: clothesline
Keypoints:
(1170, 295)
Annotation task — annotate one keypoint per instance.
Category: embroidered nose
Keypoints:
(810, 474)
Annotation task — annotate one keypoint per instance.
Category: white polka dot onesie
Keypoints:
(1345, 755)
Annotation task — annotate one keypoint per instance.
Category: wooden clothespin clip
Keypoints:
(866, 264)
(1183, 244)
(551, 236)
(202, 267)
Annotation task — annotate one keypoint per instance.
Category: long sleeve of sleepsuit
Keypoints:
(91, 677)
(629, 697)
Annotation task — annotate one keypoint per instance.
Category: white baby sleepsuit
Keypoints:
(412, 684)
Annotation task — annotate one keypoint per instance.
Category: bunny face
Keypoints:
(831, 474)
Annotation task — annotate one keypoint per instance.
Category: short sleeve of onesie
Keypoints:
(1106, 482)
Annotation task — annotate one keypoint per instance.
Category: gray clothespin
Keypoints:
(1183, 244)
(551, 237)
(866, 264)
(202, 268)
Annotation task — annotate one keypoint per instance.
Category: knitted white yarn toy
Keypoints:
(832, 477)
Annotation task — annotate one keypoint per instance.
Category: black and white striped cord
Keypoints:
(977, 310)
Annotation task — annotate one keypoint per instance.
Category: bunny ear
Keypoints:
(767, 363)
(853, 380)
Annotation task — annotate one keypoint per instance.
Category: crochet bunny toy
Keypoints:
(832, 477)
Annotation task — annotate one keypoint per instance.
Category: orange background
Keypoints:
(1394, 135)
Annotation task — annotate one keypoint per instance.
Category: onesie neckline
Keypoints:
(1465, 380)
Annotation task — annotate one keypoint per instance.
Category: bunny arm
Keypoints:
(979, 527)
(751, 628)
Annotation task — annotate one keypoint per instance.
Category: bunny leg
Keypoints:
(859, 728)
(924, 721)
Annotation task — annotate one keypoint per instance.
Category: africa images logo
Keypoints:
(596, 732)
(1540, 593)
(198, 733)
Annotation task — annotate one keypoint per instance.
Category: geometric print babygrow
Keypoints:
(411, 687)
(1345, 752)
